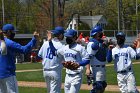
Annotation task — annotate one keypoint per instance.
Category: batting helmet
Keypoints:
(96, 29)
(58, 30)
(122, 34)
(7, 27)
(70, 33)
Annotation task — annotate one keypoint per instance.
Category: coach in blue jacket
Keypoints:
(8, 82)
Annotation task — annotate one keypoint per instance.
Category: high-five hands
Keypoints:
(70, 65)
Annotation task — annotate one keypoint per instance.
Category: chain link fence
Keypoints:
(130, 34)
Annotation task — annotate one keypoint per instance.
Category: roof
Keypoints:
(23, 35)
(90, 20)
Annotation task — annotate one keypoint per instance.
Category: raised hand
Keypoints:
(36, 35)
(49, 35)
(134, 45)
(138, 43)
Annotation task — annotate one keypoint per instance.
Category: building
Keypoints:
(85, 23)
(90, 20)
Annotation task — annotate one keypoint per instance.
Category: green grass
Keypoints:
(111, 75)
(43, 90)
(38, 75)
(30, 76)
(137, 73)
(27, 66)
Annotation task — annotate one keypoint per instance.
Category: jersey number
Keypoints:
(125, 61)
(49, 54)
(126, 57)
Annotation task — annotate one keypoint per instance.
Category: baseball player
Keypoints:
(52, 66)
(72, 52)
(8, 82)
(96, 56)
(122, 55)
(97, 51)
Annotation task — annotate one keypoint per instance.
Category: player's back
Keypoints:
(50, 61)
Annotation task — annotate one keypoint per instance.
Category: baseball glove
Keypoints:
(136, 43)
(70, 65)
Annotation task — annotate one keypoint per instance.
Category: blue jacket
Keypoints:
(7, 62)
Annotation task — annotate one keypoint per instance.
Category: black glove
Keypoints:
(90, 79)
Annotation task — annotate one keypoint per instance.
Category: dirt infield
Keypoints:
(43, 85)
(83, 87)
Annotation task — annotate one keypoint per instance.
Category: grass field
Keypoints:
(38, 76)
(43, 90)
(27, 66)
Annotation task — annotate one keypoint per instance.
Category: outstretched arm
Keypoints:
(49, 38)
(109, 53)
(24, 49)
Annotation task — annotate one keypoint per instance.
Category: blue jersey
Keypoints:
(7, 62)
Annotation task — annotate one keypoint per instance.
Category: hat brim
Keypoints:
(93, 34)
(56, 32)
(11, 30)
(66, 35)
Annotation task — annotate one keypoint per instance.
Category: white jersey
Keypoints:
(50, 62)
(92, 53)
(122, 57)
(75, 54)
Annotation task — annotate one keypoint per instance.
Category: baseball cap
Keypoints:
(120, 33)
(70, 33)
(7, 27)
(58, 30)
(95, 30)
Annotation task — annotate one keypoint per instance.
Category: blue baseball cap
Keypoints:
(7, 27)
(58, 30)
(70, 33)
(95, 30)
(122, 34)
